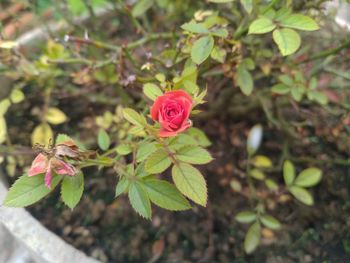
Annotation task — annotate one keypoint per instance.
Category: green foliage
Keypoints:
(165, 195)
(72, 189)
(28, 190)
(190, 182)
(296, 185)
(201, 49)
(157, 162)
(103, 139)
(287, 40)
(252, 238)
(139, 199)
(246, 217)
(193, 155)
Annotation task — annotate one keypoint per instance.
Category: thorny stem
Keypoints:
(328, 52)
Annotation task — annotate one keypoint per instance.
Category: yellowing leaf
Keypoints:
(262, 161)
(16, 96)
(55, 116)
(252, 238)
(42, 134)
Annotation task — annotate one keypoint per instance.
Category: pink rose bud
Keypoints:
(172, 111)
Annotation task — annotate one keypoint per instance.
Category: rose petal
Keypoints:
(39, 165)
(61, 167)
(48, 178)
(167, 133)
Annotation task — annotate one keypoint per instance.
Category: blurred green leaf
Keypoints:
(288, 172)
(201, 49)
(287, 40)
(103, 140)
(270, 222)
(245, 217)
(302, 195)
(252, 238)
(261, 25)
(301, 22)
(308, 177)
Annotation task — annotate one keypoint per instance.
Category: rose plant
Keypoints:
(223, 48)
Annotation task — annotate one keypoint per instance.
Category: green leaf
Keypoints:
(280, 89)
(139, 200)
(190, 182)
(300, 22)
(244, 80)
(55, 116)
(287, 80)
(122, 186)
(165, 195)
(4, 105)
(16, 96)
(72, 189)
(144, 150)
(245, 217)
(201, 49)
(287, 40)
(195, 28)
(271, 184)
(257, 174)
(3, 129)
(141, 7)
(308, 177)
(302, 195)
(270, 222)
(28, 190)
(262, 161)
(248, 5)
(199, 136)
(193, 155)
(261, 25)
(288, 172)
(218, 54)
(103, 140)
(157, 162)
(297, 92)
(152, 91)
(221, 32)
(42, 134)
(133, 117)
(252, 238)
(123, 149)
(320, 97)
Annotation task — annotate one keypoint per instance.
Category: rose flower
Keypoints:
(172, 111)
